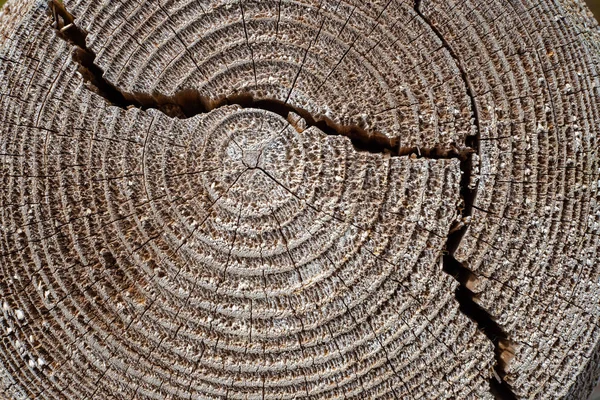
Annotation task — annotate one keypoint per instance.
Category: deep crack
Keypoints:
(503, 347)
(188, 103)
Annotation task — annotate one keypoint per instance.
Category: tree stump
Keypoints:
(276, 199)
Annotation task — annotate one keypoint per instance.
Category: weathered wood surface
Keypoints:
(225, 199)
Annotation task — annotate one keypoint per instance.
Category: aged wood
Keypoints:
(275, 199)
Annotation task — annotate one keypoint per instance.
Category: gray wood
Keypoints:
(276, 199)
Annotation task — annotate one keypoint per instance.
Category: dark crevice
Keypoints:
(472, 141)
(188, 103)
(503, 347)
(466, 298)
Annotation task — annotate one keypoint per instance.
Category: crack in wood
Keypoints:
(503, 347)
(189, 103)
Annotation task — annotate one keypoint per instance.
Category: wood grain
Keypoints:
(275, 199)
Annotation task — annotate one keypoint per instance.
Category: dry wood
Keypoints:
(276, 199)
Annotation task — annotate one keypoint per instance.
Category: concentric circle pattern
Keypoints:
(241, 254)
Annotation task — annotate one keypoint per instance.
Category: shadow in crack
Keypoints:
(189, 103)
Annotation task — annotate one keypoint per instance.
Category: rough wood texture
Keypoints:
(227, 199)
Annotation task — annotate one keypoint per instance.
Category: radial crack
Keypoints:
(503, 347)
(189, 103)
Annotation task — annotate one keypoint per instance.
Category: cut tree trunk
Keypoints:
(276, 199)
